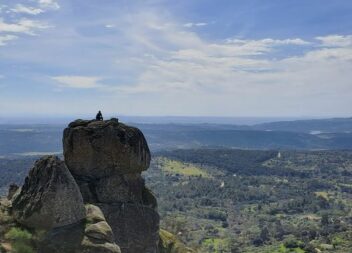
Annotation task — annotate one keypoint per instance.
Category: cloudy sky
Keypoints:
(186, 57)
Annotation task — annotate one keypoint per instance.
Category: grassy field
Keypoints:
(178, 168)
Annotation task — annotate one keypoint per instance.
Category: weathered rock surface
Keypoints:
(107, 158)
(13, 188)
(93, 235)
(49, 197)
(136, 227)
(89, 246)
(100, 231)
(103, 148)
(127, 188)
(98, 235)
(94, 214)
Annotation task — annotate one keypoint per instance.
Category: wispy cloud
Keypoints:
(268, 42)
(336, 40)
(110, 26)
(13, 21)
(78, 82)
(5, 38)
(237, 72)
(151, 56)
(19, 8)
(189, 25)
(26, 26)
(49, 4)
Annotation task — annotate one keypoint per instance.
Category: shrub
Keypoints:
(21, 240)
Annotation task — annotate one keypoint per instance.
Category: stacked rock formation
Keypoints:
(50, 200)
(106, 159)
(94, 202)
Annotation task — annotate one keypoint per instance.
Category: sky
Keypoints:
(225, 58)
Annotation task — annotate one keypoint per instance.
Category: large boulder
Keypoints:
(98, 149)
(100, 231)
(136, 227)
(93, 235)
(116, 188)
(98, 235)
(49, 197)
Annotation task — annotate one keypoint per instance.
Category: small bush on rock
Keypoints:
(21, 240)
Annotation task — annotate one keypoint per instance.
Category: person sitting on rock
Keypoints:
(99, 116)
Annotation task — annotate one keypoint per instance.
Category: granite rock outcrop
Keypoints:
(49, 197)
(95, 201)
(92, 235)
(106, 159)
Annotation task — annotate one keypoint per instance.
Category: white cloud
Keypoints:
(26, 26)
(19, 8)
(5, 38)
(236, 75)
(78, 82)
(160, 66)
(336, 40)
(189, 25)
(183, 61)
(109, 26)
(49, 4)
(19, 25)
(256, 47)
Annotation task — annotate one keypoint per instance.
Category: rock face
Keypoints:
(106, 159)
(13, 188)
(98, 149)
(136, 227)
(50, 197)
(93, 235)
(98, 235)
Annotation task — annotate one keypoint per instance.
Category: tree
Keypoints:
(325, 219)
(264, 234)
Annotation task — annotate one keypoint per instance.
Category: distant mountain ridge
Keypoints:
(336, 133)
(333, 125)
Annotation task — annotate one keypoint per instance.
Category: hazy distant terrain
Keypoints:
(29, 139)
(210, 186)
(336, 125)
(32, 139)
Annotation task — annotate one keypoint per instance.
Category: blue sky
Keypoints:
(189, 57)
